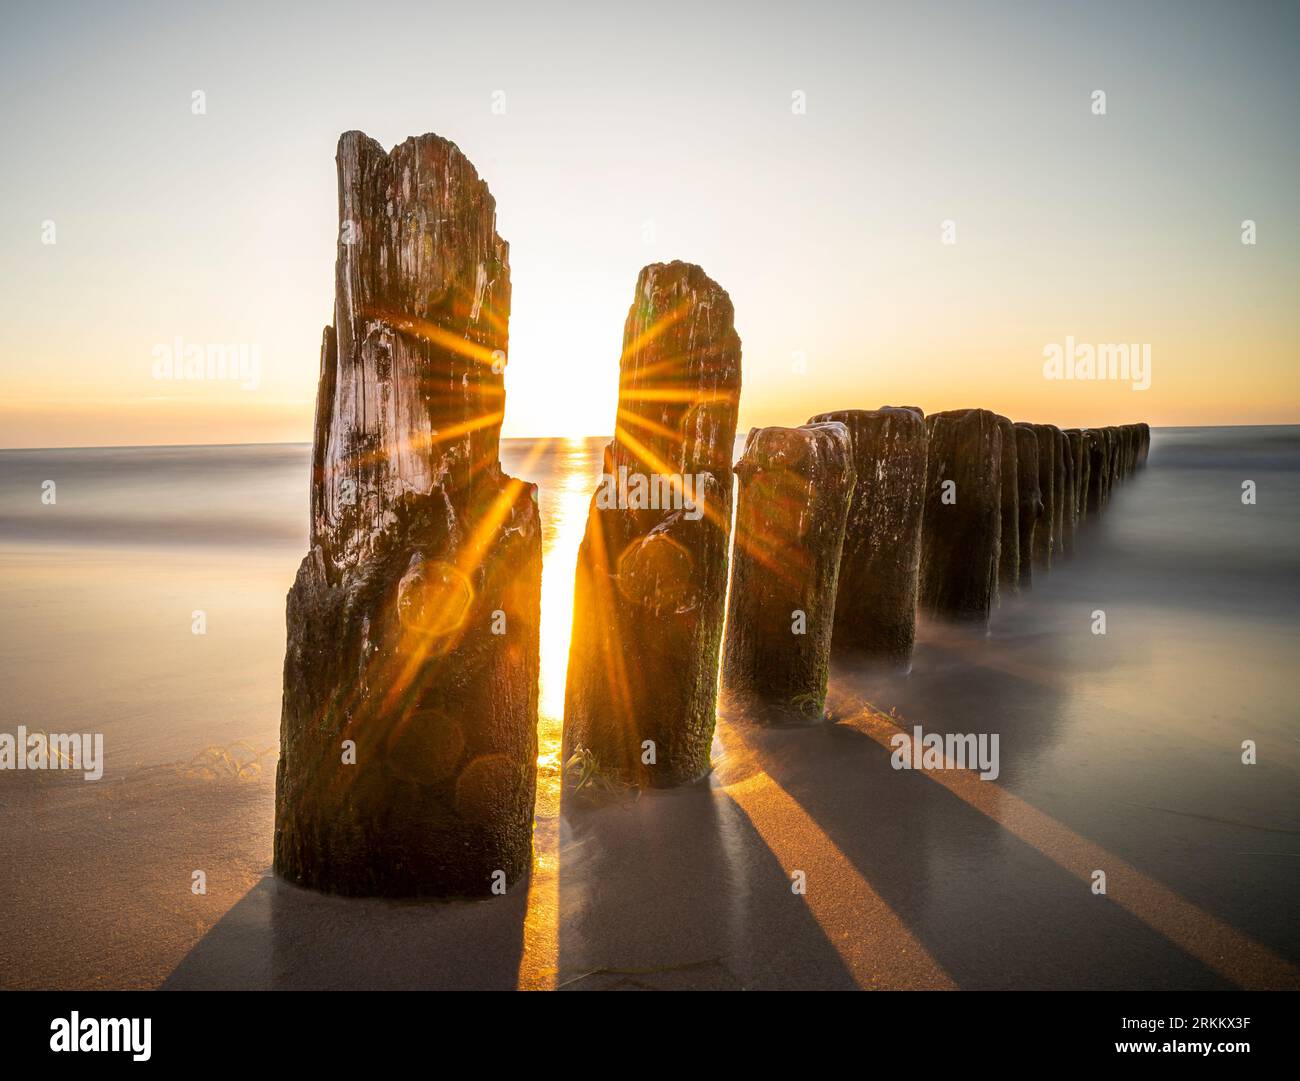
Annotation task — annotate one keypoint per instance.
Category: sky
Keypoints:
(636, 133)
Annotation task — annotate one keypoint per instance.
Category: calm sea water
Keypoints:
(98, 590)
(1131, 739)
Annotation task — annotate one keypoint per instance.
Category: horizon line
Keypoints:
(524, 438)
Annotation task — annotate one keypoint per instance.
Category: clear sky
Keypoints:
(635, 133)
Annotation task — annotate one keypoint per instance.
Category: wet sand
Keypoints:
(914, 880)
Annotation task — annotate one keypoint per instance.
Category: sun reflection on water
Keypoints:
(564, 516)
(567, 474)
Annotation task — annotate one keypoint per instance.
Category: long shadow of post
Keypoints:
(677, 890)
(280, 937)
(992, 911)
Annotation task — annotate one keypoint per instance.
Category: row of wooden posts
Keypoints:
(849, 525)
(845, 528)
(409, 723)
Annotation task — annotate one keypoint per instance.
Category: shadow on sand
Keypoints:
(993, 912)
(677, 889)
(280, 937)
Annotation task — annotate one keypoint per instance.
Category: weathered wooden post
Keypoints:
(1112, 460)
(408, 736)
(963, 514)
(652, 569)
(1132, 441)
(875, 605)
(1030, 503)
(1096, 441)
(1079, 455)
(1045, 544)
(1066, 489)
(1009, 538)
(795, 488)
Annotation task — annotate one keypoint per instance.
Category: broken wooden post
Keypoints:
(875, 605)
(963, 514)
(651, 580)
(408, 738)
(795, 489)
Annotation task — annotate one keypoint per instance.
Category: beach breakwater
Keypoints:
(408, 735)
